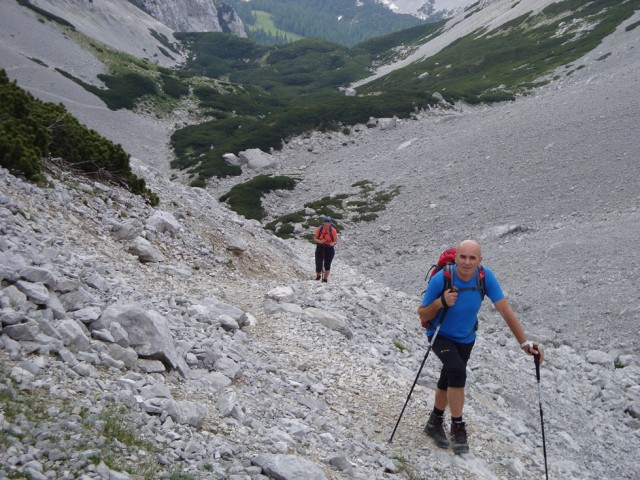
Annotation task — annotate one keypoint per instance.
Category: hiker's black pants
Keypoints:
(324, 257)
(454, 357)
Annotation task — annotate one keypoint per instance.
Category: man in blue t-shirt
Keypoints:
(457, 334)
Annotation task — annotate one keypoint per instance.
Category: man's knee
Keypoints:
(456, 376)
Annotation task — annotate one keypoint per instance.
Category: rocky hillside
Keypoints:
(185, 342)
(548, 184)
(428, 8)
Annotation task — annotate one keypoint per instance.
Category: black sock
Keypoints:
(457, 419)
(438, 412)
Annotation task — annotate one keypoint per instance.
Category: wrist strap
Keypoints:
(444, 302)
(526, 344)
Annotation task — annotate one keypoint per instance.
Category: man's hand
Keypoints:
(449, 297)
(533, 348)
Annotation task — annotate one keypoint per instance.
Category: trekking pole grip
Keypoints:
(536, 360)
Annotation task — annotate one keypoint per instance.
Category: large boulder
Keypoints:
(256, 159)
(148, 334)
(163, 222)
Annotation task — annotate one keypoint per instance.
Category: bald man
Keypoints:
(457, 335)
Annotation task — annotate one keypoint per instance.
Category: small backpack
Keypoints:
(445, 262)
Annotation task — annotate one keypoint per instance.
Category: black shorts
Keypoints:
(324, 257)
(454, 357)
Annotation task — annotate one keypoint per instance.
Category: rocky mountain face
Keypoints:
(194, 16)
(117, 24)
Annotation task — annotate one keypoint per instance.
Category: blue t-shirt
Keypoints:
(459, 324)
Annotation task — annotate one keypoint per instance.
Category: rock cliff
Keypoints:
(194, 16)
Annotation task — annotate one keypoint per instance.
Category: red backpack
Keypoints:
(445, 262)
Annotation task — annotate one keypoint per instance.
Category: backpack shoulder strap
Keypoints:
(448, 276)
(481, 282)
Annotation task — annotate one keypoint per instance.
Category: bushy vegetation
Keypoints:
(174, 87)
(359, 206)
(131, 80)
(122, 90)
(246, 198)
(31, 130)
(202, 146)
(163, 40)
(282, 91)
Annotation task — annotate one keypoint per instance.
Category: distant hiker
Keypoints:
(325, 238)
(457, 334)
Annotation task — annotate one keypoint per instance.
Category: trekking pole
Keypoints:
(433, 339)
(536, 359)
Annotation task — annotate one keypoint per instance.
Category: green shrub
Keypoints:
(123, 90)
(366, 217)
(45, 14)
(31, 130)
(285, 230)
(173, 86)
(246, 198)
(162, 39)
(631, 26)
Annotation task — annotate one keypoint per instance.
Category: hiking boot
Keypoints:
(318, 277)
(435, 429)
(459, 438)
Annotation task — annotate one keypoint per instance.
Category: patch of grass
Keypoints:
(405, 467)
(264, 22)
(115, 427)
(399, 346)
(329, 205)
(43, 413)
(123, 91)
(181, 476)
(130, 80)
(365, 217)
(346, 207)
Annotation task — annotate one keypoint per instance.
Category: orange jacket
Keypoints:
(329, 235)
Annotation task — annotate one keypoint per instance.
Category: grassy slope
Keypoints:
(514, 55)
(264, 21)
